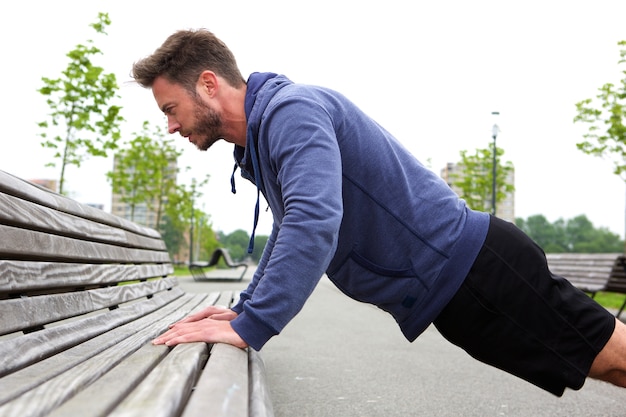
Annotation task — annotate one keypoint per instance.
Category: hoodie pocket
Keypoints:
(395, 290)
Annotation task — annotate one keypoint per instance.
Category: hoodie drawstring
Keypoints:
(257, 181)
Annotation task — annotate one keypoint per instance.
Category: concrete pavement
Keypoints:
(341, 358)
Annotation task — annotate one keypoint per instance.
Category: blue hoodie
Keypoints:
(350, 201)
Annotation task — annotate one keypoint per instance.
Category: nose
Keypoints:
(172, 125)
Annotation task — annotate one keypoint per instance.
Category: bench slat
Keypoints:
(27, 191)
(260, 398)
(112, 388)
(166, 389)
(35, 311)
(223, 386)
(27, 215)
(18, 243)
(62, 375)
(26, 349)
(19, 276)
(589, 272)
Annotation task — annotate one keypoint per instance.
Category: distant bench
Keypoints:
(592, 272)
(198, 269)
(82, 295)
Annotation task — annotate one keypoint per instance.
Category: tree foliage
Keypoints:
(605, 117)
(575, 235)
(81, 108)
(237, 244)
(145, 172)
(183, 213)
(473, 180)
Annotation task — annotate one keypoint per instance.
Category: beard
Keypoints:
(208, 125)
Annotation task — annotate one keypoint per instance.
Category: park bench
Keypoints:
(82, 295)
(592, 272)
(198, 269)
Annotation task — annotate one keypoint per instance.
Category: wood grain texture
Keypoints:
(29, 312)
(222, 389)
(19, 352)
(164, 392)
(113, 387)
(24, 276)
(14, 186)
(260, 398)
(82, 295)
(23, 244)
(58, 377)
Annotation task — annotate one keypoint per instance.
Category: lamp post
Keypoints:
(494, 134)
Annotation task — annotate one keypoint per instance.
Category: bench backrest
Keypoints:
(617, 280)
(587, 271)
(60, 259)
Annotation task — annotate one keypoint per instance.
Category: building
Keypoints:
(505, 209)
(142, 213)
(51, 185)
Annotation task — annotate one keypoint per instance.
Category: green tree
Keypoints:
(551, 237)
(80, 103)
(237, 244)
(182, 213)
(474, 179)
(204, 238)
(144, 174)
(584, 238)
(259, 244)
(174, 238)
(574, 235)
(604, 116)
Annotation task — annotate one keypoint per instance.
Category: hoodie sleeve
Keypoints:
(302, 174)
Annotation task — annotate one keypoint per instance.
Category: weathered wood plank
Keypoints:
(28, 312)
(166, 389)
(260, 398)
(23, 244)
(19, 352)
(114, 386)
(12, 185)
(588, 271)
(27, 215)
(47, 384)
(75, 342)
(21, 276)
(223, 385)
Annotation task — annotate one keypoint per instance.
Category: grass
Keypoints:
(610, 300)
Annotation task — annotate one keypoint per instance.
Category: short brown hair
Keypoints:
(182, 58)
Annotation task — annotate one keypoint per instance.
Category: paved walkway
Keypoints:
(342, 358)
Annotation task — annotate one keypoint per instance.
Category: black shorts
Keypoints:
(512, 313)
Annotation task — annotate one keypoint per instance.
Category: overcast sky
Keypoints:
(430, 72)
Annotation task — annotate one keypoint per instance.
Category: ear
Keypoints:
(208, 83)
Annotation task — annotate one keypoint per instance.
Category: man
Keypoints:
(350, 201)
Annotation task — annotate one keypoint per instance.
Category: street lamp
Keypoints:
(494, 134)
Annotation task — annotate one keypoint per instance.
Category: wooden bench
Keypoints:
(591, 272)
(198, 269)
(82, 295)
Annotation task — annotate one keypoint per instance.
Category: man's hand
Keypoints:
(211, 325)
(211, 312)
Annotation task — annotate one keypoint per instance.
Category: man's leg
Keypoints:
(610, 364)
(513, 313)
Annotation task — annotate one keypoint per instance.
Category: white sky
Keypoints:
(430, 72)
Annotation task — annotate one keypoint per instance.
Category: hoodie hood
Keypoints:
(261, 87)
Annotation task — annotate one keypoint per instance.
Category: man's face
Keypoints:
(208, 125)
(188, 114)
